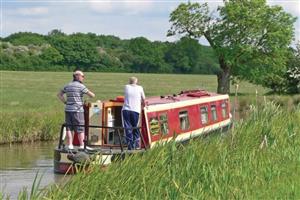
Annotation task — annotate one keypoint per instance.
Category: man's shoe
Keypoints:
(86, 147)
(68, 147)
(89, 148)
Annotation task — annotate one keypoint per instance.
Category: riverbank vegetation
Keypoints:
(257, 159)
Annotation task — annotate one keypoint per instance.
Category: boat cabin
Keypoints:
(182, 116)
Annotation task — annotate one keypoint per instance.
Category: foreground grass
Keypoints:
(258, 159)
(31, 111)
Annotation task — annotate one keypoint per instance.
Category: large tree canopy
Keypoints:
(91, 52)
(76, 49)
(187, 56)
(249, 38)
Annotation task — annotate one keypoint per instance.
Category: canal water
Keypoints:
(20, 163)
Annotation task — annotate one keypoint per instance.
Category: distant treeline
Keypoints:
(58, 51)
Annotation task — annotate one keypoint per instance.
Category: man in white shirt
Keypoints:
(134, 98)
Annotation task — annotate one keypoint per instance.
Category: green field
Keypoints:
(36, 91)
(31, 111)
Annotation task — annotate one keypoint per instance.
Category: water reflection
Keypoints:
(20, 163)
(26, 155)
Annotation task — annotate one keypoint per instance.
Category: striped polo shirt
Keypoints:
(74, 91)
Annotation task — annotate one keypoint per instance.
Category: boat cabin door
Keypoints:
(95, 119)
(112, 120)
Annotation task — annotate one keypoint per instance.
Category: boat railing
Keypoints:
(86, 141)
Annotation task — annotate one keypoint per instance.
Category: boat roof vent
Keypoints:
(195, 93)
(118, 99)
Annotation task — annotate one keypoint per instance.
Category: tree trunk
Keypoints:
(223, 78)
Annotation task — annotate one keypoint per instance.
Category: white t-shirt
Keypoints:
(134, 94)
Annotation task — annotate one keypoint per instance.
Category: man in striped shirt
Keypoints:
(74, 113)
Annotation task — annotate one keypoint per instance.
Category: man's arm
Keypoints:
(90, 94)
(61, 97)
(143, 97)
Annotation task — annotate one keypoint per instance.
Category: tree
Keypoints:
(26, 38)
(287, 80)
(148, 56)
(56, 32)
(188, 56)
(292, 75)
(51, 55)
(248, 37)
(76, 49)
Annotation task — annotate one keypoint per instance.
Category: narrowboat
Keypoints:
(178, 117)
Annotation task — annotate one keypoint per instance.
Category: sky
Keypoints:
(122, 18)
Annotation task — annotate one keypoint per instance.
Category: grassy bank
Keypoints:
(31, 111)
(258, 159)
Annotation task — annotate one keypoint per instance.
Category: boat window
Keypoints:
(164, 124)
(154, 126)
(204, 115)
(213, 112)
(224, 109)
(184, 120)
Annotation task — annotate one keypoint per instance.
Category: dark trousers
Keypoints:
(130, 120)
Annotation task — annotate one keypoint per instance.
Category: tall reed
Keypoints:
(259, 159)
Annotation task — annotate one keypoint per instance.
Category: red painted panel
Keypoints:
(144, 131)
(194, 115)
(173, 122)
(63, 168)
(219, 112)
(170, 123)
(75, 139)
(194, 123)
